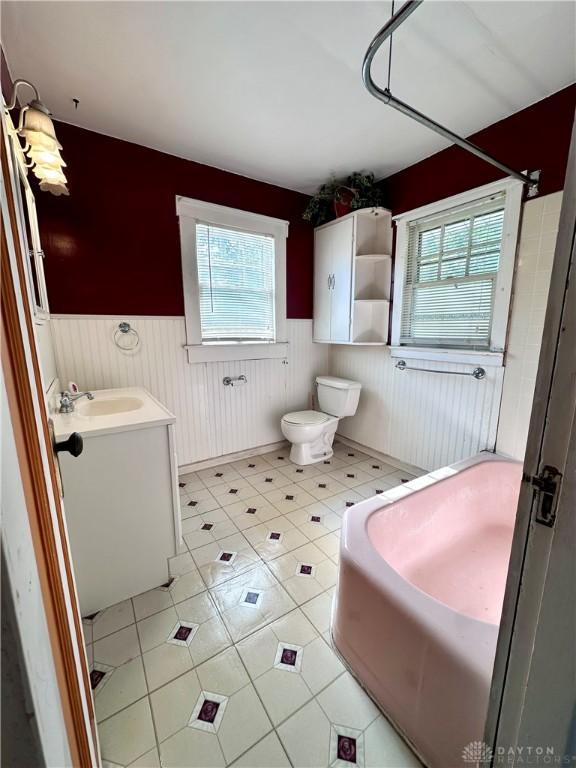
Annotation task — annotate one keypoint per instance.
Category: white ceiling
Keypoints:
(272, 90)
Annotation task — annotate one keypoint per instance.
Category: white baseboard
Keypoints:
(230, 457)
(402, 465)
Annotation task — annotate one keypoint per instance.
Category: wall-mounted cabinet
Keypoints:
(352, 277)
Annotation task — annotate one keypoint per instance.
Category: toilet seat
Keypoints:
(306, 417)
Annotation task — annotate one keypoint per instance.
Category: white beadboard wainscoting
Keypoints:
(425, 419)
(211, 420)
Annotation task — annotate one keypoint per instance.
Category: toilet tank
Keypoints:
(338, 397)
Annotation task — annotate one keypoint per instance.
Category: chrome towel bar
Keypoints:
(228, 381)
(477, 373)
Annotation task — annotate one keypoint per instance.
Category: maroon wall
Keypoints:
(113, 246)
(536, 138)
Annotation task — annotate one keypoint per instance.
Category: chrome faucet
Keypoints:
(67, 400)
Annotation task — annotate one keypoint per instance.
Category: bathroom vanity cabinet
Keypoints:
(352, 277)
(121, 496)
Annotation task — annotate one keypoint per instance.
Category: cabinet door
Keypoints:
(323, 246)
(341, 252)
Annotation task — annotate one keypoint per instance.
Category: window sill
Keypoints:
(217, 353)
(467, 357)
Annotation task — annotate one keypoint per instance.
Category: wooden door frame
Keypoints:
(26, 400)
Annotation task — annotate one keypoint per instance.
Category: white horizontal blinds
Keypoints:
(451, 272)
(236, 284)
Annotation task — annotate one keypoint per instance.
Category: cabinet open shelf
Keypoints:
(370, 321)
(372, 278)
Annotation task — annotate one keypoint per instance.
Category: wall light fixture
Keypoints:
(41, 145)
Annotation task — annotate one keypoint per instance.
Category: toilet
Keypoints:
(312, 432)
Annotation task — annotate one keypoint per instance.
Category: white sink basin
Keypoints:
(112, 410)
(108, 406)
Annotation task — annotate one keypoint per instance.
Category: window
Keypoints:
(456, 263)
(233, 266)
(236, 281)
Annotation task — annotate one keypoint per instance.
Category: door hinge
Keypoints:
(546, 489)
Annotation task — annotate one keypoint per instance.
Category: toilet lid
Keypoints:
(306, 417)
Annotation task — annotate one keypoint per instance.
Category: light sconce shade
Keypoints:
(42, 146)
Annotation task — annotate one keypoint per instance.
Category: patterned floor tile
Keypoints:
(198, 503)
(268, 753)
(250, 512)
(290, 497)
(319, 610)
(223, 473)
(306, 737)
(305, 572)
(345, 702)
(315, 521)
(190, 482)
(330, 545)
(181, 564)
(234, 490)
(375, 486)
(222, 560)
(329, 465)
(235, 721)
(192, 748)
(127, 735)
(296, 473)
(149, 760)
(401, 476)
(350, 476)
(111, 619)
(349, 454)
(322, 487)
(251, 601)
(208, 528)
(275, 537)
(269, 480)
(376, 467)
(251, 466)
(239, 674)
(278, 458)
(341, 727)
(126, 685)
(288, 662)
(343, 501)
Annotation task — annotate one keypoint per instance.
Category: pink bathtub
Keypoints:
(420, 590)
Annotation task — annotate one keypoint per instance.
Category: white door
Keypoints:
(341, 247)
(323, 245)
(534, 683)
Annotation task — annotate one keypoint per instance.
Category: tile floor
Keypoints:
(230, 661)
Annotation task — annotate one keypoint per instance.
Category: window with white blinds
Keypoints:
(236, 284)
(452, 268)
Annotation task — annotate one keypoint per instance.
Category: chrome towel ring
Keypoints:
(126, 338)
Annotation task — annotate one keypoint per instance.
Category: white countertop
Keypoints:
(137, 409)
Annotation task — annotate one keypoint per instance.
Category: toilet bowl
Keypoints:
(312, 432)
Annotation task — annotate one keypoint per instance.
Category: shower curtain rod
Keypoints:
(385, 95)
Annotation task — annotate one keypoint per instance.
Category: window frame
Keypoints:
(494, 355)
(191, 212)
(30, 243)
